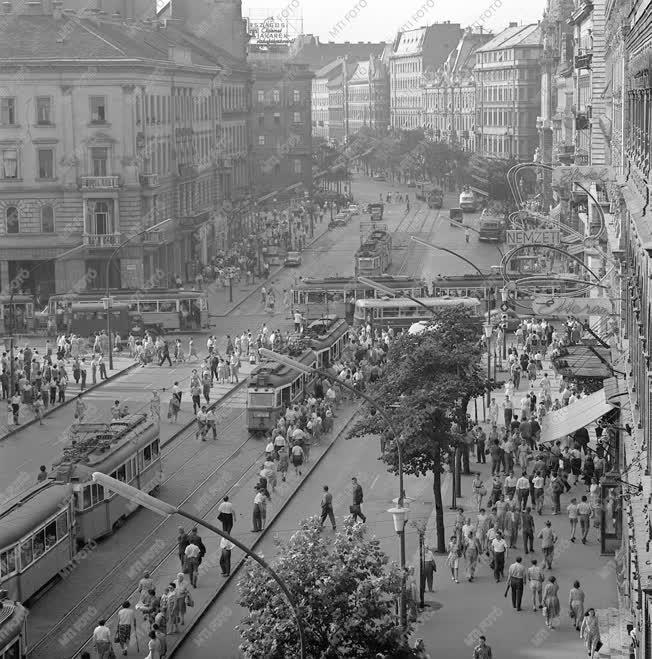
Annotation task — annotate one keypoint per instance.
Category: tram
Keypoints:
(13, 628)
(17, 314)
(402, 313)
(272, 386)
(316, 298)
(327, 338)
(169, 310)
(126, 449)
(37, 538)
(374, 256)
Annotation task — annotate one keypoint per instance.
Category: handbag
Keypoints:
(189, 601)
(112, 653)
(598, 646)
(482, 491)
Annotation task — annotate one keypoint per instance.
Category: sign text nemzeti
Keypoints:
(571, 306)
(544, 236)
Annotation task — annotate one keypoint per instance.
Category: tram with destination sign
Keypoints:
(127, 449)
(315, 298)
(272, 385)
(13, 628)
(374, 256)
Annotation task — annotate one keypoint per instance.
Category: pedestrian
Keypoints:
(297, 459)
(283, 463)
(590, 632)
(572, 517)
(527, 525)
(42, 474)
(192, 557)
(467, 234)
(550, 601)
(548, 540)
(523, 490)
(102, 640)
(453, 559)
(482, 650)
(160, 635)
(211, 423)
(499, 550)
(126, 624)
(516, 576)
(173, 409)
(225, 556)
(327, 508)
(154, 646)
(357, 495)
(80, 409)
(165, 354)
(479, 490)
(430, 567)
(584, 512)
(535, 580)
(83, 371)
(576, 604)
(15, 408)
(181, 597)
(182, 543)
(226, 514)
(537, 489)
(473, 551)
(37, 406)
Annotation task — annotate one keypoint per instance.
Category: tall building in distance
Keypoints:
(415, 52)
(507, 75)
(110, 125)
(450, 94)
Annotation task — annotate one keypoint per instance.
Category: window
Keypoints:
(45, 163)
(98, 109)
(97, 494)
(39, 543)
(50, 535)
(47, 219)
(261, 140)
(8, 111)
(261, 120)
(101, 218)
(297, 166)
(296, 96)
(297, 117)
(276, 96)
(43, 110)
(261, 96)
(12, 220)
(7, 562)
(26, 554)
(62, 524)
(99, 160)
(277, 118)
(9, 164)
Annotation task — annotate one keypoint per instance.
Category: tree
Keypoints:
(427, 385)
(346, 590)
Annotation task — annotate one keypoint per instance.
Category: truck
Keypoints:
(468, 202)
(376, 211)
(435, 198)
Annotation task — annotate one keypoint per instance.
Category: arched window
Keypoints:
(47, 219)
(12, 220)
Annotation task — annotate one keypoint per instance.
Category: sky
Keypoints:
(379, 20)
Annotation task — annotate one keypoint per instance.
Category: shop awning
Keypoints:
(581, 361)
(582, 412)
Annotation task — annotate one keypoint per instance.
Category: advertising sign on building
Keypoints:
(268, 31)
(580, 307)
(519, 237)
(582, 173)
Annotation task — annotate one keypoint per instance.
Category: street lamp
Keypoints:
(400, 502)
(488, 331)
(12, 317)
(166, 510)
(107, 274)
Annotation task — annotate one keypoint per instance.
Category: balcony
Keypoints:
(102, 240)
(154, 238)
(194, 219)
(150, 180)
(188, 171)
(100, 182)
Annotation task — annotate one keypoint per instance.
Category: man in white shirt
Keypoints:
(211, 423)
(523, 490)
(226, 514)
(201, 424)
(510, 485)
(279, 443)
(225, 557)
(192, 562)
(584, 512)
(499, 549)
(102, 640)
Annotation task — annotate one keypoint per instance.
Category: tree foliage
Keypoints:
(346, 590)
(427, 385)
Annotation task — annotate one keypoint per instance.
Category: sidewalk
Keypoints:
(32, 445)
(203, 503)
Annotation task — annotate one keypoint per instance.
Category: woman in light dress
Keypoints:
(590, 632)
(550, 601)
(576, 604)
(453, 560)
(181, 592)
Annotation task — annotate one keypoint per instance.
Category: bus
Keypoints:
(162, 309)
(315, 298)
(402, 313)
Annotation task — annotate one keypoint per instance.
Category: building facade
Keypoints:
(281, 126)
(415, 52)
(507, 77)
(449, 94)
(110, 127)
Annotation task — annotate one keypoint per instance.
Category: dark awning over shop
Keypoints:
(582, 412)
(583, 361)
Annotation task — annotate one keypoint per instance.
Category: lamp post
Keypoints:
(166, 510)
(15, 286)
(488, 331)
(108, 286)
(400, 502)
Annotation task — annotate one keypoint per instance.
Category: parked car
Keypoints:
(380, 177)
(293, 259)
(354, 209)
(341, 219)
(411, 184)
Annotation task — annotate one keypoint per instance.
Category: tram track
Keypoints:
(119, 581)
(408, 252)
